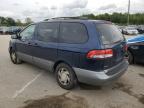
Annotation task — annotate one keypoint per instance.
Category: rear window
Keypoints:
(109, 33)
(73, 33)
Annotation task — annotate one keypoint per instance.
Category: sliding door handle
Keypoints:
(29, 43)
(36, 44)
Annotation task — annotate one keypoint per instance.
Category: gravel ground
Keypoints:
(27, 86)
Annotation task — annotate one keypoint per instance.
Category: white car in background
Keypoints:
(4, 30)
(130, 31)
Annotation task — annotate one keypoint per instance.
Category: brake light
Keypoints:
(100, 54)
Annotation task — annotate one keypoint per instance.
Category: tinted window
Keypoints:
(73, 33)
(48, 32)
(27, 34)
(109, 33)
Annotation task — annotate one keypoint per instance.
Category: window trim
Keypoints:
(87, 34)
(26, 28)
(37, 28)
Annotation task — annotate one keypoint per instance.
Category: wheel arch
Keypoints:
(58, 62)
(65, 62)
(129, 49)
(10, 49)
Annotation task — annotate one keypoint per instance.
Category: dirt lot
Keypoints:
(27, 86)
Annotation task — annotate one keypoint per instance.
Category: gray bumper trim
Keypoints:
(100, 78)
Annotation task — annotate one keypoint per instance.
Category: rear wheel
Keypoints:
(130, 58)
(65, 76)
(14, 58)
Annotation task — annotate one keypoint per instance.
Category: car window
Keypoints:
(48, 32)
(73, 33)
(131, 28)
(109, 33)
(27, 34)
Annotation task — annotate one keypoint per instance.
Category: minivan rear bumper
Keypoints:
(102, 77)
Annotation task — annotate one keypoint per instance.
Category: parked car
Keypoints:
(4, 30)
(140, 29)
(1, 31)
(130, 31)
(121, 28)
(76, 50)
(13, 30)
(136, 49)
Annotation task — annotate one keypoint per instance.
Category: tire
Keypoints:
(65, 76)
(130, 58)
(14, 58)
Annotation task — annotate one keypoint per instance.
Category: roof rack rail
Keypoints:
(67, 18)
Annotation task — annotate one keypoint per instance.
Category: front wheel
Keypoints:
(65, 76)
(14, 58)
(130, 58)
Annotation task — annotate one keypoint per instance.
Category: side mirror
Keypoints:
(17, 31)
(16, 36)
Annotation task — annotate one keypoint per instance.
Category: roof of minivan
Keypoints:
(78, 20)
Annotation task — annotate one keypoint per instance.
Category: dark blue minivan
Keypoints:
(76, 50)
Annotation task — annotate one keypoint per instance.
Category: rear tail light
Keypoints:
(100, 54)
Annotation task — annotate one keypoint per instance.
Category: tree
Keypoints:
(28, 21)
(119, 18)
(19, 23)
(3, 21)
(10, 22)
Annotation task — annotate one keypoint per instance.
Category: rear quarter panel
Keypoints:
(92, 44)
(75, 54)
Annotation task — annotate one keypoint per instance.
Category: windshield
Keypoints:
(109, 33)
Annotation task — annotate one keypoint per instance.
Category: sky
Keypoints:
(39, 10)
